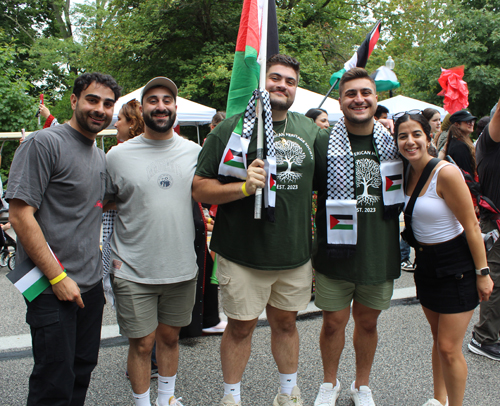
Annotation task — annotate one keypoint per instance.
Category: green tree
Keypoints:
(17, 108)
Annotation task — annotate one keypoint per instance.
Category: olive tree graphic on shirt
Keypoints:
(288, 152)
(367, 174)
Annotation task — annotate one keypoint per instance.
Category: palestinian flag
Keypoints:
(30, 280)
(272, 180)
(234, 158)
(385, 79)
(341, 222)
(246, 69)
(360, 57)
(394, 182)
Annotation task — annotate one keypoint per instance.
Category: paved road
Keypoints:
(401, 373)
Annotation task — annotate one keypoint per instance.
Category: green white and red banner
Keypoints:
(246, 69)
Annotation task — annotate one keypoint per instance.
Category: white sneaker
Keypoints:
(328, 394)
(288, 400)
(218, 329)
(172, 401)
(228, 400)
(361, 396)
(434, 402)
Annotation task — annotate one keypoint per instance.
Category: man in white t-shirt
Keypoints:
(153, 260)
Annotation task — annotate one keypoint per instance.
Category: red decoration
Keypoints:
(455, 91)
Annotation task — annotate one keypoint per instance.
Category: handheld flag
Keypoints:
(246, 69)
(257, 38)
(385, 79)
(29, 279)
(360, 57)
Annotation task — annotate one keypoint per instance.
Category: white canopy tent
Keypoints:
(400, 103)
(305, 100)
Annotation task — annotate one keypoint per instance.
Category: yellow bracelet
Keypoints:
(244, 189)
(58, 278)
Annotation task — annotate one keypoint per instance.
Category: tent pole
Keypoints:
(198, 132)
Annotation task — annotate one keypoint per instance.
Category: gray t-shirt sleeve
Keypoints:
(30, 172)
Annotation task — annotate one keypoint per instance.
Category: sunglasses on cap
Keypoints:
(401, 114)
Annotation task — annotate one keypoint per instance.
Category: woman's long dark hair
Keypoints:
(463, 136)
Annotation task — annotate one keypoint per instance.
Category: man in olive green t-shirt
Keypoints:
(361, 270)
(262, 264)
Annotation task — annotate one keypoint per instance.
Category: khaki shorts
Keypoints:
(140, 307)
(333, 295)
(246, 291)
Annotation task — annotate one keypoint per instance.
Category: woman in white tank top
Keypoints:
(447, 285)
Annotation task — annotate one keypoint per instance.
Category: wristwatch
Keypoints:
(483, 271)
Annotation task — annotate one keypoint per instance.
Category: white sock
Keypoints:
(288, 381)
(142, 399)
(326, 385)
(233, 389)
(166, 389)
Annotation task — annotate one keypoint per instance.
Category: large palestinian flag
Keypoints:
(360, 57)
(246, 69)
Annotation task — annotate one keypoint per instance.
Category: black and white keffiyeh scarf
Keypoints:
(234, 159)
(341, 201)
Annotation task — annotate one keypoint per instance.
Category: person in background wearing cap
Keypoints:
(153, 259)
(55, 191)
(459, 145)
(485, 336)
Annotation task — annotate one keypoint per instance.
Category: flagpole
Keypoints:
(260, 107)
(328, 94)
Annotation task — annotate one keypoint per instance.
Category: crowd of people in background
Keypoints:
(160, 193)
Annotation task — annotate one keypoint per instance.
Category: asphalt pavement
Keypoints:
(401, 373)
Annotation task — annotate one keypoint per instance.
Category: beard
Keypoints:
(83, 122)
(161, 126)
(280, 104)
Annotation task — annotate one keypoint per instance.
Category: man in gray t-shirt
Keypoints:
(153, 261)
(55, 191)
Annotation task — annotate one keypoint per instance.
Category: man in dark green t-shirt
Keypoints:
(262, 264)
(362, 269)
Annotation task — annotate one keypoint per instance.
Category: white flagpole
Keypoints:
(260, 108)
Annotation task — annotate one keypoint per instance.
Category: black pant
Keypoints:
(65, 343)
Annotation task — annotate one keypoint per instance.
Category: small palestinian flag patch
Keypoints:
(341, 222)
(394, 182)
(234, 158)
(272, 181)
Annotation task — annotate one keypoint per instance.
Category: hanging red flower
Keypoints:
(455, 91)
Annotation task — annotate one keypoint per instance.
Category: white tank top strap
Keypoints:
(431, 190)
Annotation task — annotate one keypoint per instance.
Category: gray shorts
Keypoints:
(140, 307)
